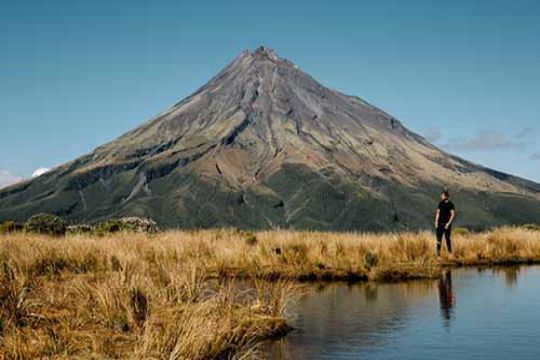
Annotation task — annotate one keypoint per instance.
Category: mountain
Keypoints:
(264, 145)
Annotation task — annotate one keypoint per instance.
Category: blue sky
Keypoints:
(75, 74)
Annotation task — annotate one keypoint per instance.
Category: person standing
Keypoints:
(444, 216)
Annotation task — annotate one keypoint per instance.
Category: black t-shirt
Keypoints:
(445, 208)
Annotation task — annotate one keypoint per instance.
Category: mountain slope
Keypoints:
(264, 145)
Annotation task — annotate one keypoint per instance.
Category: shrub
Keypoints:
(9, 226)
(110, 226)
(250, 238)
(370, 259)
(116, 265)
(139, 305)
(119, 322)
(46, 224)
(461, 231)
(135, 224)
(535, 227)
(79, 229)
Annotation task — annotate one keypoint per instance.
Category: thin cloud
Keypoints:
(536, 156)
(490, 140)
(7, 178)
(433, 134)
(524, 133)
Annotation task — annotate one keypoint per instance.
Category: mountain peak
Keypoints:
(264, 51)
(260, 53)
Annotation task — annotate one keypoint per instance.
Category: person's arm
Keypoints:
(437, 217)
(452, 217)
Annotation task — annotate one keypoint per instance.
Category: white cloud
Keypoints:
(433, 134)
(7, 178)
(524, 133)
(489, 140)
(40, 171)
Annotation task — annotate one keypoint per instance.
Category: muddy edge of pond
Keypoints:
(397, 273)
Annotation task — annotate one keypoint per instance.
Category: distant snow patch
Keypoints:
(40, 171)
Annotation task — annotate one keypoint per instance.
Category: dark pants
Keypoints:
(447, 236)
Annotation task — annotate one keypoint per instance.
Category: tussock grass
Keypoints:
(172, 295)
(129, 296)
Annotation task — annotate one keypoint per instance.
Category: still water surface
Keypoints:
(468, 314)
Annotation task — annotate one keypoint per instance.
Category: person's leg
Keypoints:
(447, 237)
(439, 232)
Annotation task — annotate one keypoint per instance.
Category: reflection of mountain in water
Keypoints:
(336, 315)
(510, 274)
(497, 319)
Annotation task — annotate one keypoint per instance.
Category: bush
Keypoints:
(9, 226)
(535, 227)
(46, 224)
(79, 229)
(461, 231)
(370, 260)
(250, 238)
(135, 224)
(139, 305)
(110, 226)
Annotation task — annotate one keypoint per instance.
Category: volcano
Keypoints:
(263, 145)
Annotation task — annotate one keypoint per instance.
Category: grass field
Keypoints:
(199, 294)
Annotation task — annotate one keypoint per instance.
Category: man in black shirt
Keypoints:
(444, 216)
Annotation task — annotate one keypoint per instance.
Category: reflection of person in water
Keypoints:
(446, 296)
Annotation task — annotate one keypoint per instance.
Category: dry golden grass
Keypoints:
(128, 296)
(171, 295)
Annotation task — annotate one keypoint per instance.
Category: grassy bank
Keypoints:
(170, 295)
(130, 297)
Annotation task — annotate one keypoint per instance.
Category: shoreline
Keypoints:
(399, 274)
(177, 293)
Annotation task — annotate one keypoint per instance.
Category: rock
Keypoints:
(79, 229)
(141, 225)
